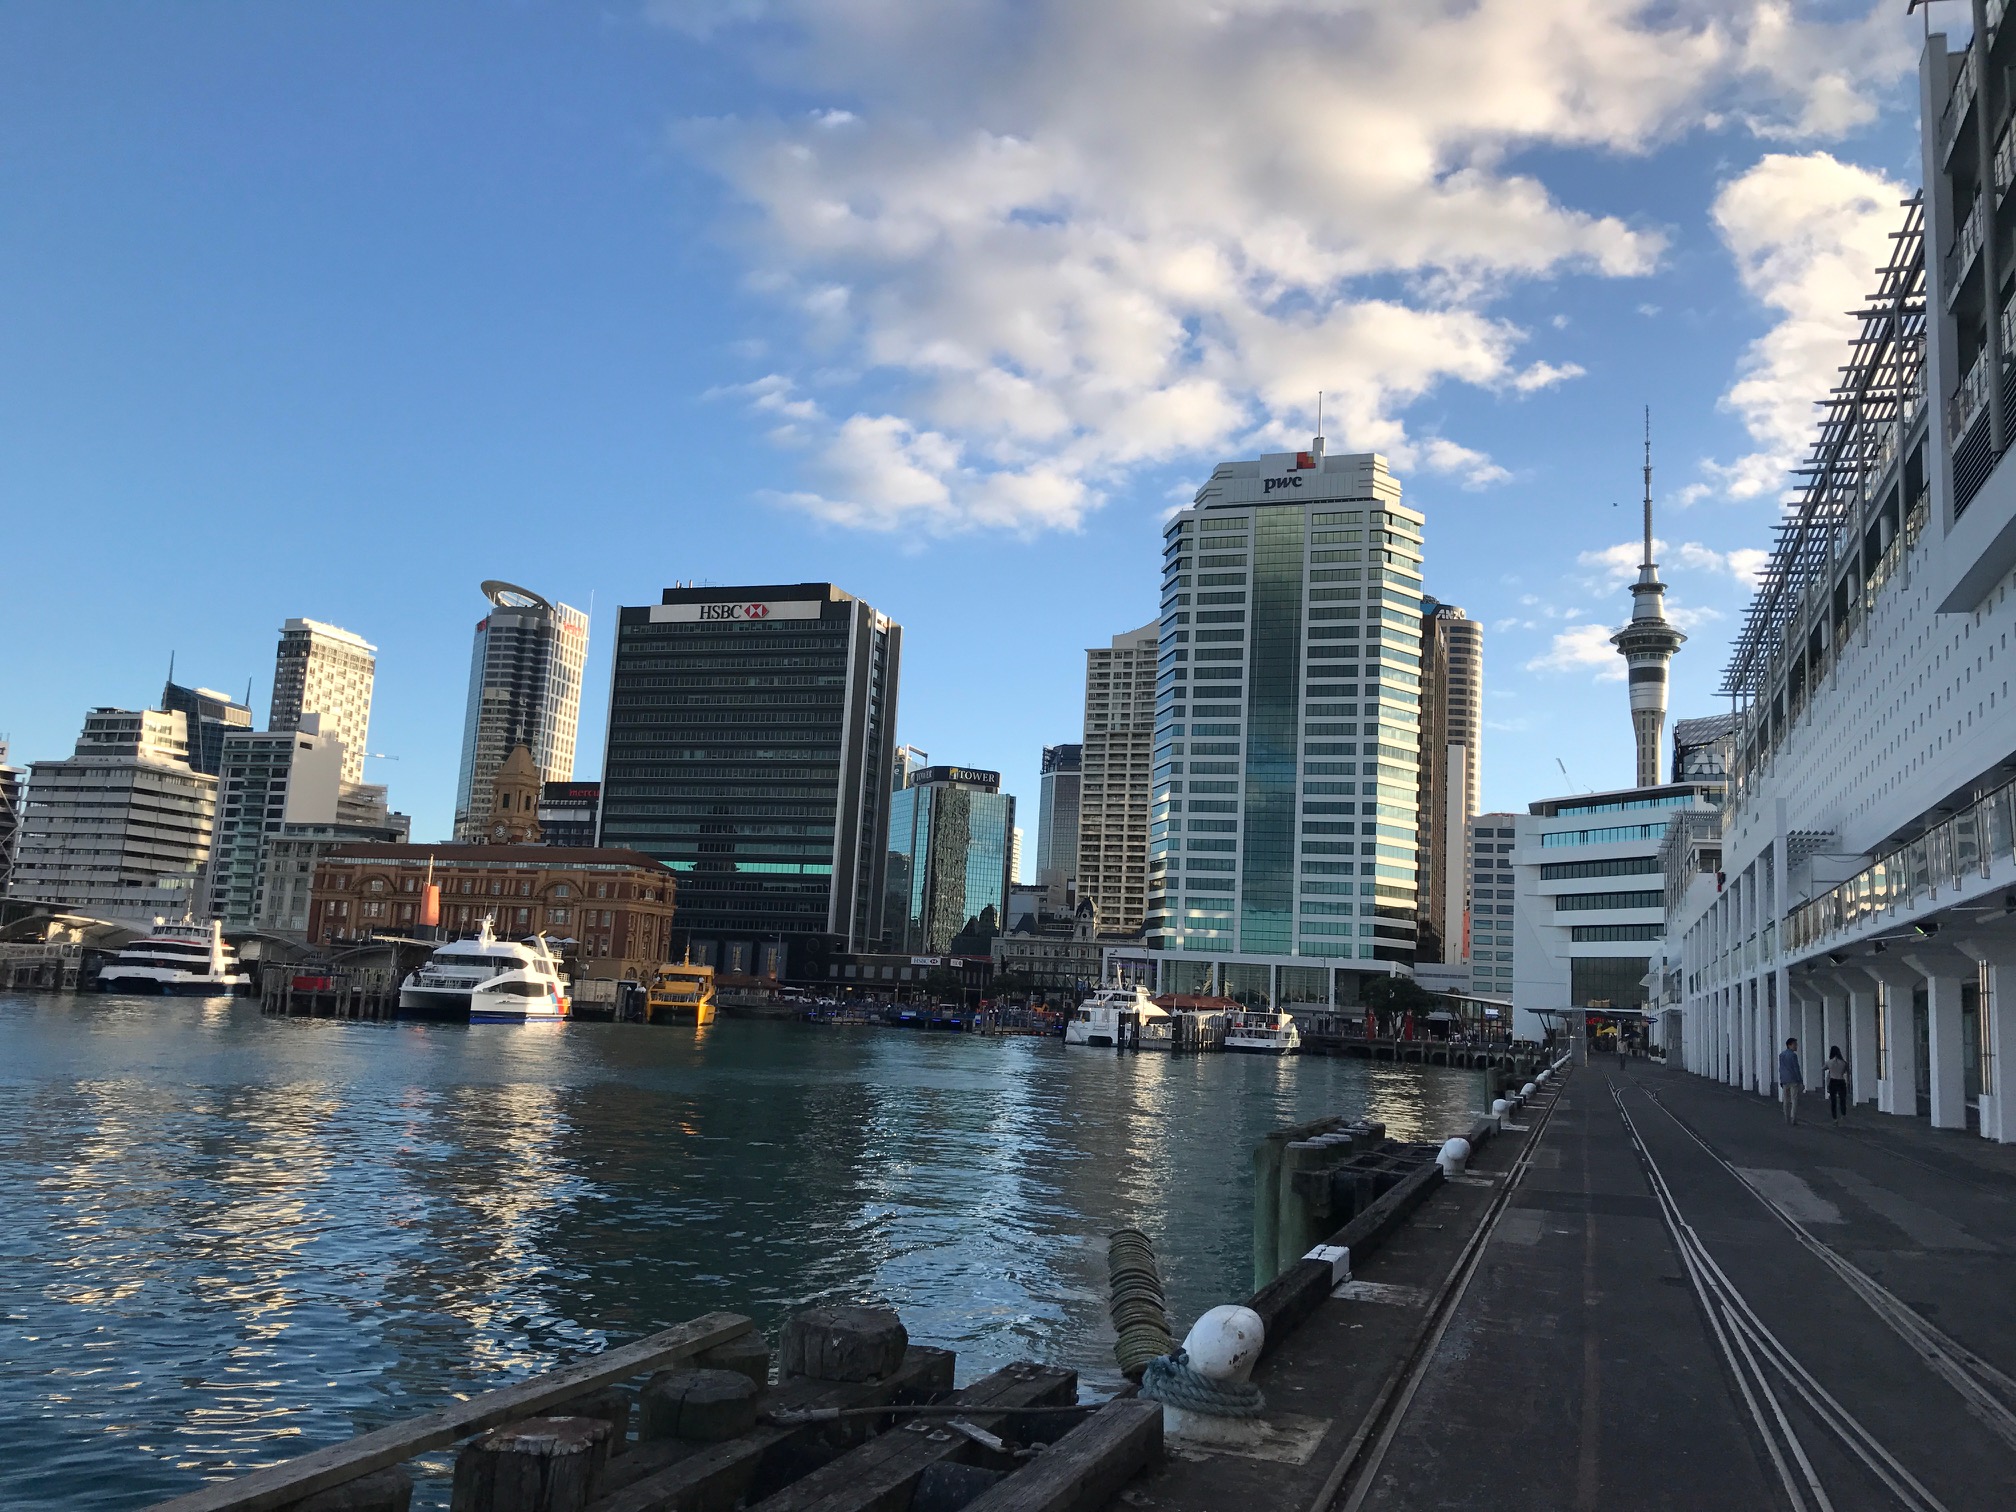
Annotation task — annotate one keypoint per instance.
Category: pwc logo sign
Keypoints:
(1304, 461)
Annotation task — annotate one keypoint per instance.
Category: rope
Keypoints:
(1172, 1382)
(1140, 1320)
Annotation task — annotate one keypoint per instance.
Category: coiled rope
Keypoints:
(1140, 1318)
(1172, 1382)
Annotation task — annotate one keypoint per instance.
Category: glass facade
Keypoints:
(749, 751)
(949, 847)
(1287, 737)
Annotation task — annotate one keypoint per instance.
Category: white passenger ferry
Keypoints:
(187, 959)
(1119, 1016)
(1260, 1031)
(486, 980)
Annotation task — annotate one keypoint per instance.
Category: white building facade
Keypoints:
(121, 829)
(1287, 742)
(1868, 852)
(267, 779)
(323, 669)
(1487, 944)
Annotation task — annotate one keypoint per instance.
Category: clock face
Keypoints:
(499, 831)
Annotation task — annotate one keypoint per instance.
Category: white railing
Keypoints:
(1956, 104)
(1968, 401)
(1966, 246)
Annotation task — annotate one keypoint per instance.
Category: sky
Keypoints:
(337, 310)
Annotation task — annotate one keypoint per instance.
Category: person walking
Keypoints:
(1790, 1078)
(1837, 1085)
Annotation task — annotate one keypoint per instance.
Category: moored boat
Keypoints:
(485, 980)
(1119, 1017)
(185, 959)
(1260, 1031)
(681, 994)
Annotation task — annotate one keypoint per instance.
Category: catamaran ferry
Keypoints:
(486, 980)
(1117, 1017)
(1258, 1031)
(187, 959)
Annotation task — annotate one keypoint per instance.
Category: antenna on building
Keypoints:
(171, 666)
(1648, 487)
(1319, 422)
(1564, 775)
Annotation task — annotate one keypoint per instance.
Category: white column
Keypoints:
(1812, 1029)
(1897, 1089)
(1833, 1021)
(1998, 1033)
(1861, 1043)
(1946, 972)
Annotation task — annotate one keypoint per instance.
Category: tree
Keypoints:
(1390, 998)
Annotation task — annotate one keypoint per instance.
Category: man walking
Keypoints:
(1789, 1080)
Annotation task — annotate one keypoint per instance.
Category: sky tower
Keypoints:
(1647, 644)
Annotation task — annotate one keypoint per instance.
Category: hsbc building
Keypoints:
(750, 735)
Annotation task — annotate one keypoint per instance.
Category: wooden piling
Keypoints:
(700, 1406)
(539, 1465)
(841, 1344)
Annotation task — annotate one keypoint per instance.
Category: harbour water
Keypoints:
(226, 1239)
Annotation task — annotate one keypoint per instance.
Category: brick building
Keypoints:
(617, 904)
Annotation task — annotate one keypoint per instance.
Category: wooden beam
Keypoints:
(294, 1479)
(1087, 1467)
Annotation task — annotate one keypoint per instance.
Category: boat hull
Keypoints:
(1256, 1049)
(144, 986)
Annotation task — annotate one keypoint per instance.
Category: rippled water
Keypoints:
(226, 1239)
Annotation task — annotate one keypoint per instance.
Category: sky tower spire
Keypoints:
(1647, 644)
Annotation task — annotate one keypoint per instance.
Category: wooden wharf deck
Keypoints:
(1522, 1060)
(858, 1420)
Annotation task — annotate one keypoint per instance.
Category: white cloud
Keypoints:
(1052, 239)
(1615, 566)
(1808, 233)
(1583, 648)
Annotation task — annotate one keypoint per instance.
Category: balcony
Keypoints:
(1944, 856)
(1968, 401)
(1966, 247)
(1955, 115)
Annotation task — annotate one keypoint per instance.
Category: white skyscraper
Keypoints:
(1287, 739)
(524, 689)
(323, 670)
(1114, 786)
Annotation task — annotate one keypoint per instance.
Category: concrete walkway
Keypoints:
(1848, 1343)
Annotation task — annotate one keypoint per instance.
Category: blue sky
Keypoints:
(338, 310)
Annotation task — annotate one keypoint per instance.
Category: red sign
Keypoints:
(757, 611)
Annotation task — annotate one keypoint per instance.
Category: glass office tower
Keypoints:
(750, 750)
(524, 689)
(951, 837)
(1287, 730)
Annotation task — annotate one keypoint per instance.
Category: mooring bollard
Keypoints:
(842, 1344)
(1206, 1388)
(1528, 1090)
(701, 1406)
(611, 1405)
(1500, 1110)
(382, 1491)
(539, 1465)
(1454, 1156)
(748, 1356)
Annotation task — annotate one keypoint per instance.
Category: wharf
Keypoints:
(1679, 1302)
(1522, 1060)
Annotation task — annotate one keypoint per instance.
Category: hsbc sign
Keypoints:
(735, 610)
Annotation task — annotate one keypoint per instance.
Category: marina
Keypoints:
(251, 1235)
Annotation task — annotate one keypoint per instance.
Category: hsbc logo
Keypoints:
(738, 612)
(734, 611)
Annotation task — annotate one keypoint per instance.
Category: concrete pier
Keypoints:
(1681, 1301)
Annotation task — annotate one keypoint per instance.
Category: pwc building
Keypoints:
(749, 749)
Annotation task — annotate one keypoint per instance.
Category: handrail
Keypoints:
(1956, 104)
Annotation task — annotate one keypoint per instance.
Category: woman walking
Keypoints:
(1837, 1085)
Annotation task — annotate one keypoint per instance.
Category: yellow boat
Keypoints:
(681, 994)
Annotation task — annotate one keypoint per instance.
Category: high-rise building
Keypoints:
(1647, 643)
(268, 779)
(323, 670)
(1115, 786)
(751, 748)
(1015, 857)
(524, 689)
(209, 714)
(12, 789)
(909, 760)
(567, 813)
(121, 829)
(1452, 668)
(951, 840)
(1288, 733)
(1057, 823)
(295, 849)
(1487, 943)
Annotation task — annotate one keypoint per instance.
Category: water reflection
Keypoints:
(227, 1238)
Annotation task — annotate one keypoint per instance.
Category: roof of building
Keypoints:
(550, 856)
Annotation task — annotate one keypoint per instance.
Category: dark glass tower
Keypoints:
(750, 749)
(950, 835)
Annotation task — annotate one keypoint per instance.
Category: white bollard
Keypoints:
(1455, 1155)
(1223, 1345)
(1501, 1110)
(1528, 1090)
